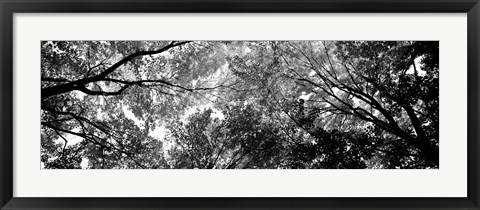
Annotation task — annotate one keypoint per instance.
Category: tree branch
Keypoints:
(75, 85)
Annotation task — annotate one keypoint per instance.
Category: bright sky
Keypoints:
(411, 70)
(306, 96)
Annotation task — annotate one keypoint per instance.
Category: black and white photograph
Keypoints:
(239, 104)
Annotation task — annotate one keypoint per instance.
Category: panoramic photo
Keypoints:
(239, 105)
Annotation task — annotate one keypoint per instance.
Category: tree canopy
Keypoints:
(240, 104)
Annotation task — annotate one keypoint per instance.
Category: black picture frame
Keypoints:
(9, 7)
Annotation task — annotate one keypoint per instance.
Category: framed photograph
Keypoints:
(268, 104)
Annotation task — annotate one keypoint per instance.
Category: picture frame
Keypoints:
(9, 7)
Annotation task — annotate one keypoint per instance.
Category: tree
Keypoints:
(354, 85)
(259, 104)
(401, 94)
(240, 140)
(87, 86)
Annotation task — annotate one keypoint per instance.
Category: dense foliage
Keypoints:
(240, 104)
